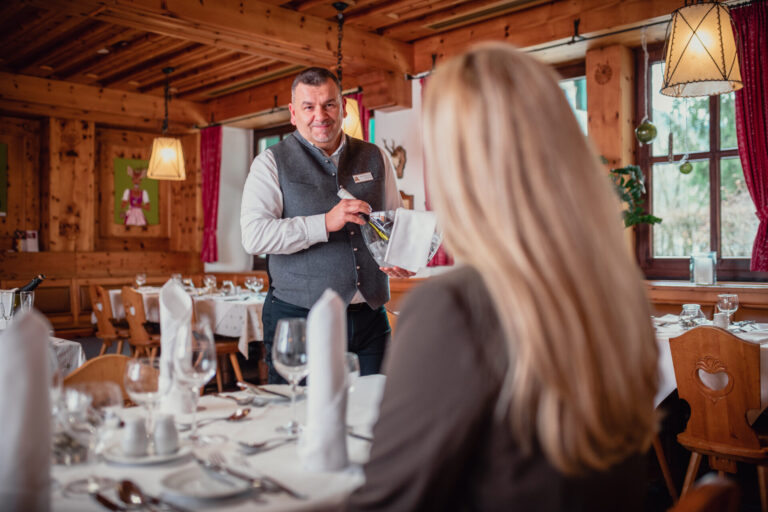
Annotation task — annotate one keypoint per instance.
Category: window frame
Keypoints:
(728, 269)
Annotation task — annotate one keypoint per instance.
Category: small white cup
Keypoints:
(166, 437)
(135, 437)
(720, 320)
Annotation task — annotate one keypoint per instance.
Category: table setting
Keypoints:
(277, 447)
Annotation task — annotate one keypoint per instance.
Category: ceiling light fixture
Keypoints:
(700, 56)
(167, 160)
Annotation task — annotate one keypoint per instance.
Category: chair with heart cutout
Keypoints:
(718, 374)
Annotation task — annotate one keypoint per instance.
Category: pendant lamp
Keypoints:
(700, 52)
(167, 160)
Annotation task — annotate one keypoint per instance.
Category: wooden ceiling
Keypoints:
(233, 52)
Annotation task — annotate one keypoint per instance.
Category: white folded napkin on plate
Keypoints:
(323, 445)
(25, 430)
(175, 321)
(411, 239)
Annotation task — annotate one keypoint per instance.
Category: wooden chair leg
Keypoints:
(219, 385)
(153, 352)
(664, 468)
(119, 346)
(762, 481)
(236, 367)
(690, 475)
(104, 345)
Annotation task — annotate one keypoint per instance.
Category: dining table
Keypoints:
(69, 354)
(237, 315)
(184, 481)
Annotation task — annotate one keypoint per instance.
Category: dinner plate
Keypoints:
(194, 484)
(114, 455)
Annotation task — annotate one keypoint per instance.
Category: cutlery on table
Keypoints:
(266, 483)
(263, 446)
(131, 494)
(238, 415)
(249, 400)
(107, 503)
(261, 389)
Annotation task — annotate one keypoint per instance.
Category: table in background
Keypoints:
(236, 316)
(326, 490)
(69, 354)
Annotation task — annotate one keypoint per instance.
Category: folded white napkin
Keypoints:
(175, 321)
(323, 445)
(411, 239)
(25, 430)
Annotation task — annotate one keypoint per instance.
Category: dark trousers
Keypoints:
(367, 333)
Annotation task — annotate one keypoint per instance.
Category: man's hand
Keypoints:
(397, 272)
(346, 211)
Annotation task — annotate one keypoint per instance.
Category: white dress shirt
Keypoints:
(264, 231)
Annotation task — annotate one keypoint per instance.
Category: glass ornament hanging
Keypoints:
(645, 131)
(685, 166)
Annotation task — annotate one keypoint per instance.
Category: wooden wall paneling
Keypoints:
(385, 90)
(70, 191)
(106, 264)
(20, 265)
(187, 204)
(23, 139)
(131, 145)
(610, 74)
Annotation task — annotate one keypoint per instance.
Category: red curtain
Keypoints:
(441, 257)
(210, 163)
(365, 114)
(750, 23)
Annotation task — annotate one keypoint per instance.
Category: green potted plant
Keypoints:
(630, 185)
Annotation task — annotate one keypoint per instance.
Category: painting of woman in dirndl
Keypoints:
(135, 198)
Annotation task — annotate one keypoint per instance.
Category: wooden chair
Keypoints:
(227, 346)
(106, 330)
(710, 495)
(718, 425)
(109, 367)
(141, 340)
(392, 317)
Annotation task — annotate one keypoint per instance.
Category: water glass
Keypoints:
(140, 280)
(209, 281)
(176, 277)
(254, 284)
(289, 355)
(691, 315)
(6, 306)
(353, 370)
(144, 385)
(26, 301)
(194, 364)
(728, 303)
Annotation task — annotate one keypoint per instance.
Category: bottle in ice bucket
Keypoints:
(24, 297)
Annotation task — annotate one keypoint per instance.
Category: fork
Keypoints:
(269, 483)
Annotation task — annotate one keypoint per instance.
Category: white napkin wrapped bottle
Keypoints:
(323, 445)
(175, 321)
(25, 430)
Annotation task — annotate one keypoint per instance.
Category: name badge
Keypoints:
(363, 177)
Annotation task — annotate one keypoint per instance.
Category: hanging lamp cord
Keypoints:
(167, 95)
(339, 6)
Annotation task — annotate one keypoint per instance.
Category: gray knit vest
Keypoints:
(309, 182)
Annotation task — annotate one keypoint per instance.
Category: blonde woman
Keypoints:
(523, 380)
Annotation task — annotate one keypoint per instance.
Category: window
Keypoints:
(574, 86)
(708, 209)
(262, 139)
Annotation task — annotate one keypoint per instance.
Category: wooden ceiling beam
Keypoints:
(66, 95)
(221, 74)
(253, 27)
(78, 47)
(43, 37)
(146, 45)
(250, 78)
(160, 60)
(194, 69)
(117, 46)
(543, 25)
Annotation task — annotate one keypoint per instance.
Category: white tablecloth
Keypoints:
(236, 316)
(70, 354)
(667, 381)
(326, 490)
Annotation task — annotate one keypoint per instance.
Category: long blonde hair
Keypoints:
(523, 199)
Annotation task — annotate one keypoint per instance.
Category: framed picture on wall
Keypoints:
(3, 179)
(136, 196)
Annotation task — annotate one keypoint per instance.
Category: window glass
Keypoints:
(738, 222)
(682, 201)
(728, 121)
(265, 142)
(676, 114)
(575, 90)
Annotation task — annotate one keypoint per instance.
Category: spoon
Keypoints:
(239, 415)
(131, 494)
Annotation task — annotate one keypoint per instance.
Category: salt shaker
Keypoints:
(166, 437)
(135, 437)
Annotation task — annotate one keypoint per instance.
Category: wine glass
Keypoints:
(353, 370)
(289, 355)
(728, 303)
(140, 280)
(209, 281)
(176, 277)
(6, 306)
(91, 418)
(194, 364)
(144, 385)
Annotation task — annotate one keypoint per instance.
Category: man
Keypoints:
(291, 211)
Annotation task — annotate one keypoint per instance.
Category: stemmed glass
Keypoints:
(209, 281)
(353, 370)
(194, 364)
(91, 418)
(289, 355)
(255, 284)
(140, 280)
(6, 306)
(728, 303)
(144, 385)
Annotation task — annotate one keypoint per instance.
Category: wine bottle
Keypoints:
(378, 228)
(34, 283)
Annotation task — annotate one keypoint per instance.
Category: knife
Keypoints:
(108, 503)
(261, 389)
(256, 483)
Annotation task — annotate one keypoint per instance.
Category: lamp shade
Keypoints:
(167, 160)
(351, 124)
(700, 52)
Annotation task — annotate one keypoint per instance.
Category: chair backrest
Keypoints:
(715, 494)
(109, 367)
(133, 303)
(102, 308)
(718, 374)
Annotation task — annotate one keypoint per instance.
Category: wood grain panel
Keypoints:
(22, 137)
(187, 205)
(70, 193)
